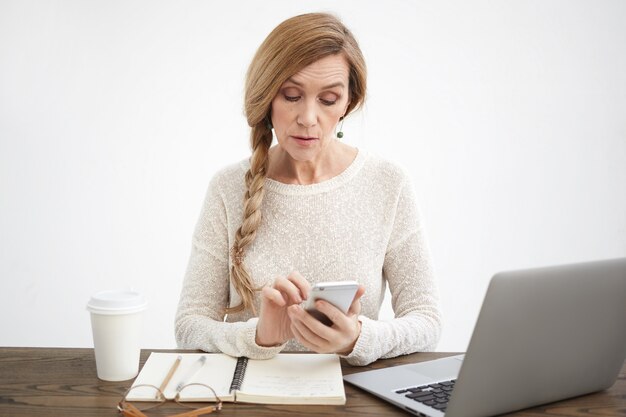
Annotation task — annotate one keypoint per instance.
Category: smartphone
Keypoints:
(338, 293)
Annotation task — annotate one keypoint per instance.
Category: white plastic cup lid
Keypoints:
(117, 302)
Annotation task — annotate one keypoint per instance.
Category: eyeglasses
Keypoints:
(201, 392)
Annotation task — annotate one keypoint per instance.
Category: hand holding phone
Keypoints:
(338, 293)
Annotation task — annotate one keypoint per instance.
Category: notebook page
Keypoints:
(217, 372)
(294, 378)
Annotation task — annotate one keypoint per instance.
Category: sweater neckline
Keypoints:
(316, 188)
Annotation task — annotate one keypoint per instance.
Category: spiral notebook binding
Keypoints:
(240, 372)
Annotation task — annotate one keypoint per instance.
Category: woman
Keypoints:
(309, 209)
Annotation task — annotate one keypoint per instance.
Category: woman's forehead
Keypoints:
(328, 72)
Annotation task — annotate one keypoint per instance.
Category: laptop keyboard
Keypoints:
(433, 395)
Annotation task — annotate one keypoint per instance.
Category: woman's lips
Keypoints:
(304, 140)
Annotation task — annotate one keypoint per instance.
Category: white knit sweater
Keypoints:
(361, 225)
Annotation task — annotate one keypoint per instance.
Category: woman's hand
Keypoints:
(274, 325)
(338, 338)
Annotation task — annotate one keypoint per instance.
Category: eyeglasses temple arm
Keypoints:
(200, 411)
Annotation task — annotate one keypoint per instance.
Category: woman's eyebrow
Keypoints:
(337, 84)
(329, 86)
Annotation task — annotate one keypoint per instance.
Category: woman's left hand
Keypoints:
(339, 338)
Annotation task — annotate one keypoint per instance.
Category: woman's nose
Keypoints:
(307, 116)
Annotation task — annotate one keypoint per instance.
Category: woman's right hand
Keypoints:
(274, 325)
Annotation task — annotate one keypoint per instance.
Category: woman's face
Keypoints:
(308, 106)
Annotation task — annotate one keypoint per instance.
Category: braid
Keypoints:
(261, 138)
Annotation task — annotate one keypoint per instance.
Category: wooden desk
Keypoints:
(63, 382)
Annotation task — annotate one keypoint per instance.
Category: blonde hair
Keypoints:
(294, 44)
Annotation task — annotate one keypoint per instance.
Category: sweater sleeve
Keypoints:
(199, 322)
(408, 270)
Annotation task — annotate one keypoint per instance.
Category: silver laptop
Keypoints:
(542, 335)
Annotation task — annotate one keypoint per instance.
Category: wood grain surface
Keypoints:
(63, 382)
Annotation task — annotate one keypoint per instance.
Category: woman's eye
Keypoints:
(291, 98)
(327, 102)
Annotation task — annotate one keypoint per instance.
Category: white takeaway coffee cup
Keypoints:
(116, 318)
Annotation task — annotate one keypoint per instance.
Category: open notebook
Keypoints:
(296, 378)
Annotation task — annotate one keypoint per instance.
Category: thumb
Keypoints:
(355, 307)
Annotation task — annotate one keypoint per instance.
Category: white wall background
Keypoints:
(510, 115)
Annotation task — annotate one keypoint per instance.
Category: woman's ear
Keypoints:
(345, 110)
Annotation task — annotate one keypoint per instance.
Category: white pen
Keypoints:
(191, 372)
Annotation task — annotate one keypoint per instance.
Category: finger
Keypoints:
(287, 287)
(300, 282)
(308, 326)
(303, 341)
(312, 325)
(355, 307)
(306, 337)
(333, 313)
(316, 332)
(345, 330)
(274, 296)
